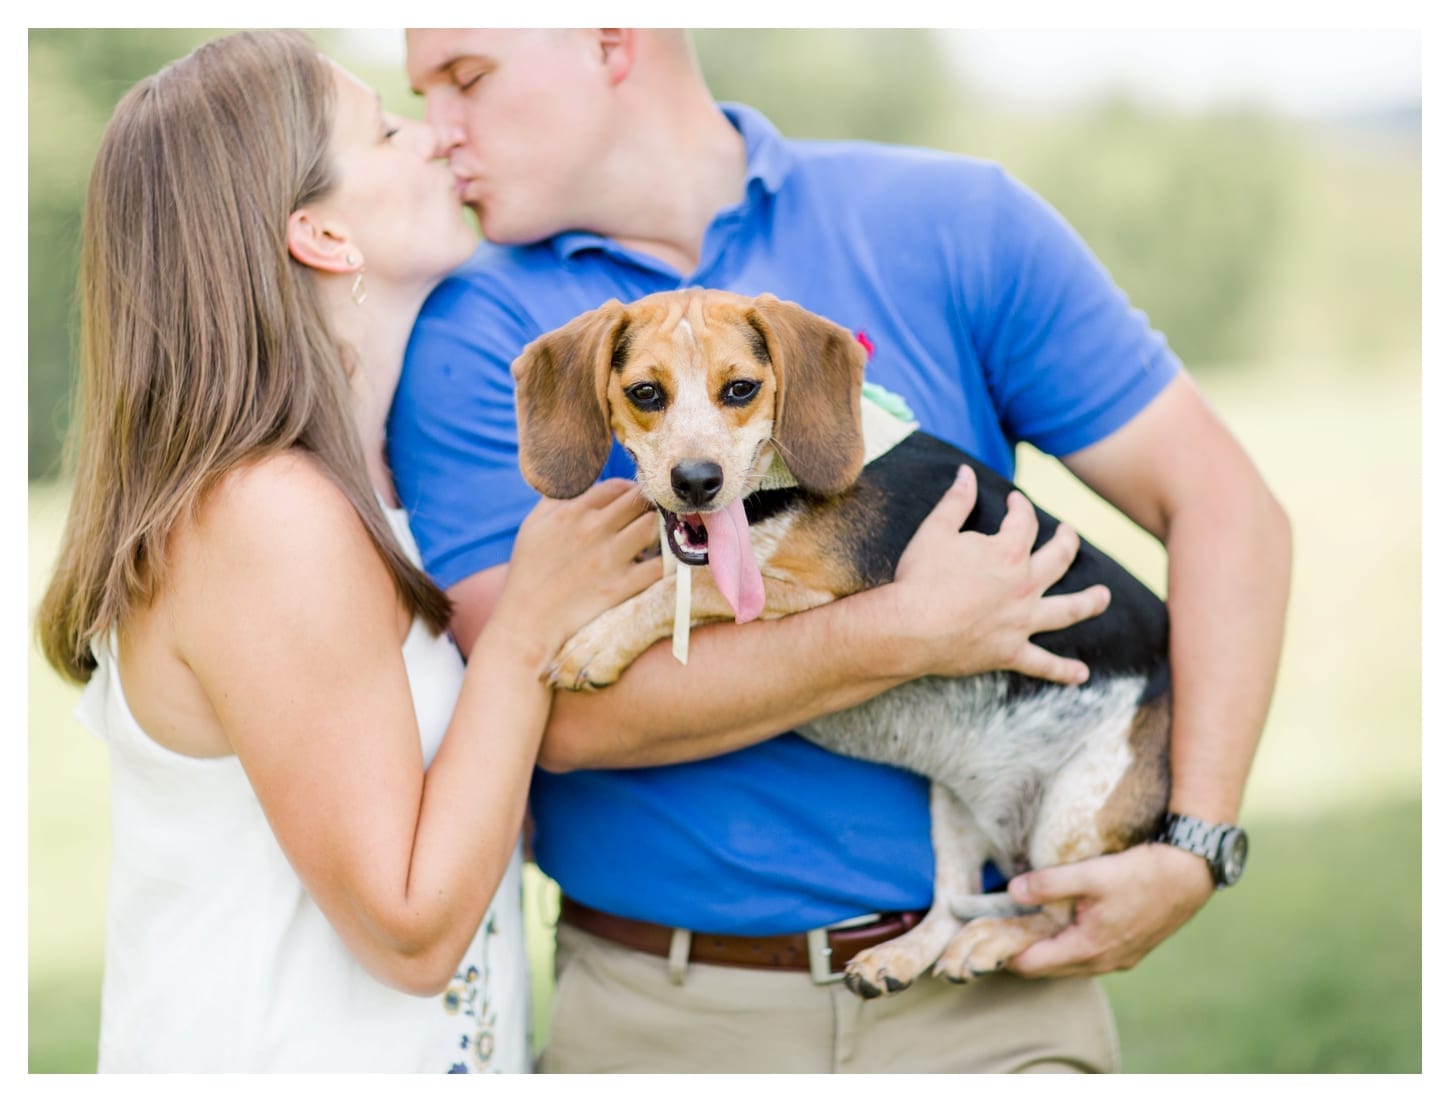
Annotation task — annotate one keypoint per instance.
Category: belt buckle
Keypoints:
(818, 947)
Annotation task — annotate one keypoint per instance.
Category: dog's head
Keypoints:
(702, 388)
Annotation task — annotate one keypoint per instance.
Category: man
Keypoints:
(599, 162)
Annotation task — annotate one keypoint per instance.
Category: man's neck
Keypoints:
(701, 172)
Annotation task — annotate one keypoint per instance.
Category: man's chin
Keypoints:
(500, 230)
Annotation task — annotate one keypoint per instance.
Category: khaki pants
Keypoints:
(616, 1010)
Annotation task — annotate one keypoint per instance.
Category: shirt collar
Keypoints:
(766, 161)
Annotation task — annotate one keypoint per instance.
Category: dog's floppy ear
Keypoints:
(559, 390)
(818, 372)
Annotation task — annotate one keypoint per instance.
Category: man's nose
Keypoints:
(437, 145)
(446, 121)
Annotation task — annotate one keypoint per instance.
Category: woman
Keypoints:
(290, 889)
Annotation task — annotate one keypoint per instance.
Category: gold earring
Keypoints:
(359, 292)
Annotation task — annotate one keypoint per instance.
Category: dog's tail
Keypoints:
(988, 905)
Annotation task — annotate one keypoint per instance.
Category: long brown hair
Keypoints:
(203, 343)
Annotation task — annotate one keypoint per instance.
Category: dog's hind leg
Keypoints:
(960, 849)
(989, 905)
(996, 928)
(1109, 796)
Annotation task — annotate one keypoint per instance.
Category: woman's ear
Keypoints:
(320, 245)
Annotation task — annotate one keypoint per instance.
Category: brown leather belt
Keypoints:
(833, 946)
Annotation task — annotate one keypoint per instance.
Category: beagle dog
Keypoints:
(744, 418)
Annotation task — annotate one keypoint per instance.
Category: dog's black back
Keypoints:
(880, 514)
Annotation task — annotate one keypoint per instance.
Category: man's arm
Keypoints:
(751, 681)
(1178, 472)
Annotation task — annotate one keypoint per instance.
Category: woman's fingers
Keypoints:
(639, 535)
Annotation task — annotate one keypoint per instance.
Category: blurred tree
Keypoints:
(1185, 212)
(879, 85)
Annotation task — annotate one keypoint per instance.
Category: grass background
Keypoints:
(1311, 964)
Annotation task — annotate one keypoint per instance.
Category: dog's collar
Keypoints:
(885, 422)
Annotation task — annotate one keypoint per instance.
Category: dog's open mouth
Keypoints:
(688, 537)
(722, 540)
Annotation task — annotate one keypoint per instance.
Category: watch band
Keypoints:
(1207, 840)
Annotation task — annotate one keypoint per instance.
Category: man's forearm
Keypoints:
(1228, 584)
(1228, 587)
(743, 683)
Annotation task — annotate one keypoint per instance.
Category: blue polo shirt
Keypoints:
(985, 311)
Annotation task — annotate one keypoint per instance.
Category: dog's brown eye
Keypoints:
(646, 396)
(740, 391)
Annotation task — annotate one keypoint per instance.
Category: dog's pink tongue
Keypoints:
(732, 561)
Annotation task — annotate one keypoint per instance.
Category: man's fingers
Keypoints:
(1021, 516)
(957, 503)
(1051, 560)
(1066, 954)
(1053, 884)
(1064, 610)
(1036, 662)
(1020, 525)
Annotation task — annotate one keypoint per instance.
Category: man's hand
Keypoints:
(1125, 904)
(972, 602)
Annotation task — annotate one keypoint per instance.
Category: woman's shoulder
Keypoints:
(270, 540)
(274, 486)
(282, 497)
(280, 521)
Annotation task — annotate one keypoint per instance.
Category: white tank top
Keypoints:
(217, 959)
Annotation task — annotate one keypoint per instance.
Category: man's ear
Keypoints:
(617, 47)
(317, 244)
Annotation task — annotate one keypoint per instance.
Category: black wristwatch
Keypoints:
(1224, 846)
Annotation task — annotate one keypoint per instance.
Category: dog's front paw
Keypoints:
(588, 661)
(872, 983)
(884, 969)
(972, 953)
(987, 944)
(600, 651)
(582, 669)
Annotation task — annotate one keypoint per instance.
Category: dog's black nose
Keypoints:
(697, 481)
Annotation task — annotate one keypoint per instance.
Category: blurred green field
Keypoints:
(1311, 964)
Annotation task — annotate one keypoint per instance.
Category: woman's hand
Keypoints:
(973, 601)
(574, 559)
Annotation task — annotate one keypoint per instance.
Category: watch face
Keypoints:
(1233, 853)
